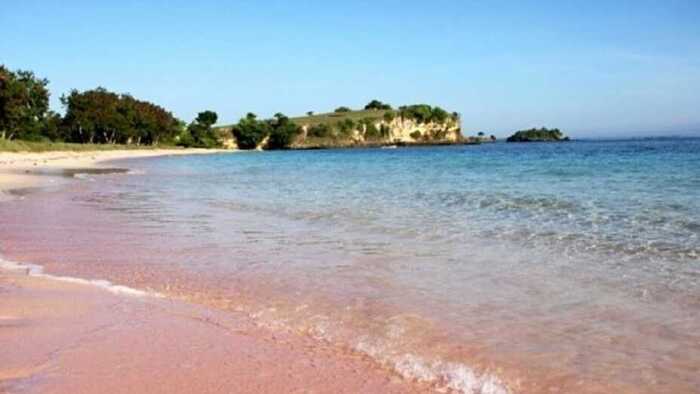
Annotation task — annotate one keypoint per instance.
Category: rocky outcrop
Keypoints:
(387, 132)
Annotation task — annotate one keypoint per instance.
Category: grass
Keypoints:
(45, 146)
(329, 118)
(333, 117)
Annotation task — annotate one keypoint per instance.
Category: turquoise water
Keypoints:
(572, 265)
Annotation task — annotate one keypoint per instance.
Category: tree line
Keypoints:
(95, 116)
(99, 116)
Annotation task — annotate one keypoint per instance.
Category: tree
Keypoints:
(377, 105)
(250, 132)
(283, 132)
(310, 113)
(342, 109)
(200, 131)
(24, 104)
(101, 116)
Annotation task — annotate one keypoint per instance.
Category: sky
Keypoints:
(590, 68)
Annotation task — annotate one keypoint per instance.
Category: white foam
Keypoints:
(38, 271)
(444, 375)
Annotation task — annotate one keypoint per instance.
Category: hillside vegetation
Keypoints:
(537, 135)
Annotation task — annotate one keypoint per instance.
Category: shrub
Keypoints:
(283, 133)
(416, 135)
(421, 113)
(371, 131)
(342, 109)
(319, 131)
(377, 105)
(438, 114)
(384, 131)
(346, 126)
(389, 116)
(250, 132)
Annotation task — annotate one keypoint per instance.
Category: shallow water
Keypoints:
(521, 267)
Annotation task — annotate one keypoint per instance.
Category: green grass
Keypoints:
(44, 146)
(329, 118)
(332, 118)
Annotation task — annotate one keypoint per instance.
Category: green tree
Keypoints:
(377, 105)
(250, 132)
(342, 109)
(101, 116)
(24, 104)
(283, 132)
(200, 132)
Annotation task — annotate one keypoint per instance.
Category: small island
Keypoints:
(538, 135)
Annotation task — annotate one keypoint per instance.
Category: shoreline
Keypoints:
(55, 327)
(22, 170)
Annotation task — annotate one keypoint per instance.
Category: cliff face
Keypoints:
(409, 130)
(383, 132)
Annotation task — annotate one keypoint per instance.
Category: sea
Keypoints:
(492, 268)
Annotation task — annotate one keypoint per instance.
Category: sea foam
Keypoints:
(38, 271)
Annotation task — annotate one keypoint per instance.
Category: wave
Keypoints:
(442, 375)
(38, 271)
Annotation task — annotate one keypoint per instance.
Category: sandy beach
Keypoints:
(63, 335)
(20, 170)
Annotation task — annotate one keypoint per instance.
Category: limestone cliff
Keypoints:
(399, 130)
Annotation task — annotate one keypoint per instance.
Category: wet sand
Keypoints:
(72, 338)
(66, 337)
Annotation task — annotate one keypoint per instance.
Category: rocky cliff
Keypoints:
(379, 131)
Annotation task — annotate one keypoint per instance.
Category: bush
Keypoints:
(319, 131)
(377, 105)
(250, 132)
(389, 116)
(342, 109)
(346, 127)
(423, 113)
(371, 131)
(283, 133)
(438, 115)
(416, 135)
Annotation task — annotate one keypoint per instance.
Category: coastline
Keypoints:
(74, 335)
(21, 170)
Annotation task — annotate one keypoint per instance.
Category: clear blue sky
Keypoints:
(593, 68)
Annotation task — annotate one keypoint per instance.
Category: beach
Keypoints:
(27, 169)
(69, 335)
